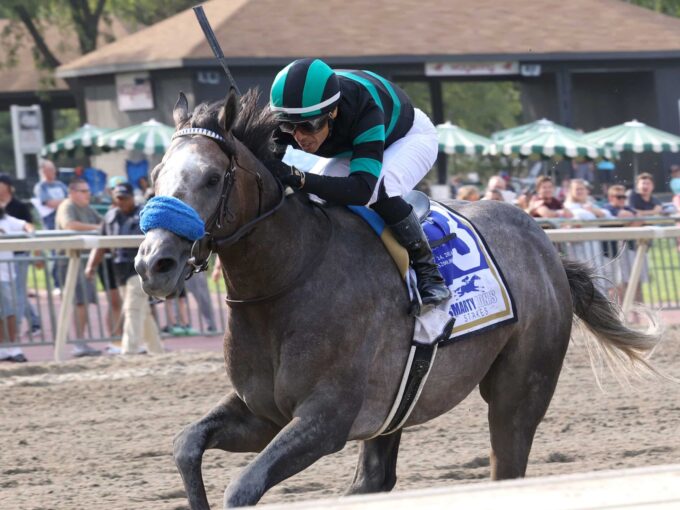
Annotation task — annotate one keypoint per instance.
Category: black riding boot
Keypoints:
(410, 235)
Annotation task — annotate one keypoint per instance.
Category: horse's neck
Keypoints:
(275, 252)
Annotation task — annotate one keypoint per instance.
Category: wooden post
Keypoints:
(68, 294)
(634, 280)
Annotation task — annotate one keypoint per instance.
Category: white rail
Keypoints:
(74, 244)
(651, 488)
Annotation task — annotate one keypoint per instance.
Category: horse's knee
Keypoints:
(187, 449)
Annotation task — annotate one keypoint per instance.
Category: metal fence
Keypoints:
(46, 315)
(32, 290)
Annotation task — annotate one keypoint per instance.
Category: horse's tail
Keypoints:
(617, 345)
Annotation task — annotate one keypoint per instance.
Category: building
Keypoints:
(583, 63)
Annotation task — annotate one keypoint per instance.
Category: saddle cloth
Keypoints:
(480, 299)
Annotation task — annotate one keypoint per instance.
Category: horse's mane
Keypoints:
(254, 124)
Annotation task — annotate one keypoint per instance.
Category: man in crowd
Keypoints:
(619, 256)
(642, 200)
(19, 210)
(497, 182)
(123, 219)
(49, 193)
(544, 204)
(75, 213)
(9, 225)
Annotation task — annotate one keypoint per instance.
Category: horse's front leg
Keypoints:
(228, 426)
(319, 427)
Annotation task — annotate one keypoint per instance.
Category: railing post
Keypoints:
(634, 279)
(68, 291)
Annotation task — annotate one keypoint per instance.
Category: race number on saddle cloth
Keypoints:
(480, 299)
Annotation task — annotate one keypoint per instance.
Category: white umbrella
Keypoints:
(150, 137)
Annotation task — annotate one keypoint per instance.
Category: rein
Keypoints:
(222, 214)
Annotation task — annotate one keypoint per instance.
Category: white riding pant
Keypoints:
(404, 164)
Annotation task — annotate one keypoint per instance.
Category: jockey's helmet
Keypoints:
(304, 90)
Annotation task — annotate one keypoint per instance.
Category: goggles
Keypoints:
(307, 126)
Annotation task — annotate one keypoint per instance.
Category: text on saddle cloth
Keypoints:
(480, 298)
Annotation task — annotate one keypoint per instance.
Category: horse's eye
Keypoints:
(213, 181)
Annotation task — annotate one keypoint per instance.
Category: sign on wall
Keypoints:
(471, 68)
(27, 134)
(134, 91)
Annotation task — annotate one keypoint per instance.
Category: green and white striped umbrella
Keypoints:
(84, 137)
(150, 137)
(456, 140)
(636, 137)
(536, 125)
(548, 141)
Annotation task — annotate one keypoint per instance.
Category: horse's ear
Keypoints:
(180, 113)
(230, 111)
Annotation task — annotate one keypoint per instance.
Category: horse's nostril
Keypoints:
(164, 265)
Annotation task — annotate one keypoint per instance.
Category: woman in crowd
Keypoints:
(582, 207)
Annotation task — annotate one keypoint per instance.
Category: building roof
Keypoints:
(250, 30)
(24, 77)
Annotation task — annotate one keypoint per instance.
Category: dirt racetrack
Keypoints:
(97, 433)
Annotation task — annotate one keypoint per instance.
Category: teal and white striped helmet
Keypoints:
(304, 90)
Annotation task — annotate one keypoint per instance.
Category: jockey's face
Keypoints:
(310, 142)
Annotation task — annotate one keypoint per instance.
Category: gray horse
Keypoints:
(318, 334)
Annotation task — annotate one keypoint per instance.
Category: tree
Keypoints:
(85, 18)
(481, 107)
(670, 7)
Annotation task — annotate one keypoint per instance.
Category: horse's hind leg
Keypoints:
(228, 426)
(518, 389)
(377, 466)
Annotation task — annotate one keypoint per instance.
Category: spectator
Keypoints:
(675, 186)
(454, 184)
(142, 191)
(49, 194)
(543, 204)
(19, 210)
(8, 330)
(508, 183)
(75, 213)
(579, 204)
(498, 183)
(123, 219)
(563, 190)
(468, 193)
(197, 285)
(642, 200)
(578, 201)
(619, 257)
(177, 314)
(493, 194)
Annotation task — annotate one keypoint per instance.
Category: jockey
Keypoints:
(380, 145)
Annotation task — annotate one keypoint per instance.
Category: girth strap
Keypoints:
(418, 366)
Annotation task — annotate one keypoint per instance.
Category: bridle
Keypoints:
(222, 215)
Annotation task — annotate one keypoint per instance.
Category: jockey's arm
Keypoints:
(355, 189)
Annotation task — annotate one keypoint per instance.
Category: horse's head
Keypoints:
(207, 179)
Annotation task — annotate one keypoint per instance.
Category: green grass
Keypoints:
(663, 287)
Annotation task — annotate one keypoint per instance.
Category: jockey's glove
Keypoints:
(293, 177)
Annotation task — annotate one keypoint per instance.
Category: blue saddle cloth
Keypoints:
(480, 297)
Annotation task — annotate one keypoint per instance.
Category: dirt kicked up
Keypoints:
(97, 433)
